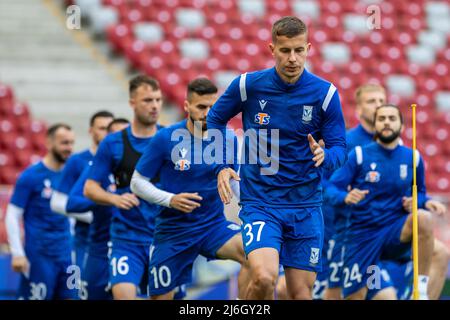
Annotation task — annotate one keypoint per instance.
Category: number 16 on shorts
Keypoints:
(252, 232)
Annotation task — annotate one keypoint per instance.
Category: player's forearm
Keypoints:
(335, 157)
(79, 204)
(93, 191)
(13, 216)
(146, 190)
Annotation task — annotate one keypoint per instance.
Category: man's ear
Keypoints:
(186, 105)
(272, 48)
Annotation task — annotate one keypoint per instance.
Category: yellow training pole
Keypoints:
(415, 237)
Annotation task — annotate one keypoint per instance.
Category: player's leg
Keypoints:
(386, 294)
(380, 284)
(301, 251)
(127, 265)
(426, 244)
(438, 270)
(170, 264)
(234, 249)
(263, 264)
(262, 237)
(299, 283)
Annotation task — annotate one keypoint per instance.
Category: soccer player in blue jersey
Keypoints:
(95, 275)
(44, 259)
(380, 224)
(191, 221)
(131, 225)
(71, 172)
(290, 109)
(368, 97)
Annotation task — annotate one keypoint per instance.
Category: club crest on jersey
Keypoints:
(307, 113)
(262, 118)
(262, 104)
(47, 191)
(314, 258)
(403, 171)
(372, 176)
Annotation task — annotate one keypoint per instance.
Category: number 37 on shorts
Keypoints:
(252, 233)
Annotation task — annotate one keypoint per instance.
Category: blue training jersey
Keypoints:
(135, 225)
(184, 163)
(70, 174)
(337, 214)
(99, 228)
(270, 106)
(387, 174)
(46, 232)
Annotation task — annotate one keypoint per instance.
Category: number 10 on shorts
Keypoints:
(250, 233)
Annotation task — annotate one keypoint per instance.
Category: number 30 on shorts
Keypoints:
(248, 227)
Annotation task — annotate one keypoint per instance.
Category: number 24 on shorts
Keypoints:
(248, 227)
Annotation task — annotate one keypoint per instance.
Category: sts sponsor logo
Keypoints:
(262, 118)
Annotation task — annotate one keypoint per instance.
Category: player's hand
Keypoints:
(436, 207)
(223, 184)
(407, 203)
(185, 202)
(355, 196)
(20, 264)
(125, 201)
(317, 150)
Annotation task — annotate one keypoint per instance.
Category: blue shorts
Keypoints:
(335, 253)
(96, 278)
(128, 263)
(297, 234)
(49, 279)
(379, 280)
(401, 273)
(321, 282)
(172, 259)
(363, 250)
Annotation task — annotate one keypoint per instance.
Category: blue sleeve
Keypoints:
(422, 197)
(103, 162)
(22, 191)
(152, 159)
(336, 190)
(225, 108)
(69, 175)
(77, 202)
(333, 133)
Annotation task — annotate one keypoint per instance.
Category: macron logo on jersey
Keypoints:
(262, 104)
(262, 118)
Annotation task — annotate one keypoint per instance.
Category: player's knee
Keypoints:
(303, 292)
(264, 280)
(124, 292)
(425, 223)
(441, 253)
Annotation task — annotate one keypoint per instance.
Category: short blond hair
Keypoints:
(367, 88)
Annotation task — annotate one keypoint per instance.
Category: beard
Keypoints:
(388, 139)
(146, 121)
(196, 122)
(59, 157)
